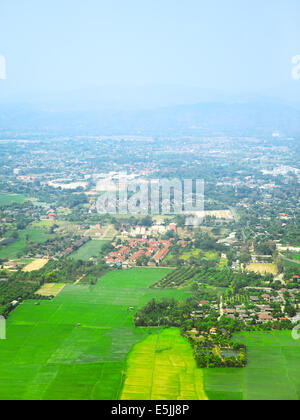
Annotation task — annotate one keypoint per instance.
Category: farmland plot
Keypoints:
(75, 346)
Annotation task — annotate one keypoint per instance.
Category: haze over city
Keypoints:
(148, 53)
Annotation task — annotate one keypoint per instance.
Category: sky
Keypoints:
(233, 46)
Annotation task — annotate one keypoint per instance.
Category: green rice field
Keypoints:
(6, 199)
(47, 355)
(89, 250)
(84, 345)
(291, 265)
(208, 255)
(272, 372)
(164, 369)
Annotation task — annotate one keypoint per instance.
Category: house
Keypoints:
(197, 314)
(68, 251)
(160, 255)
(173, 227)
(265, 317)
(110, 262)
(137, 255)
(230, 311)
(265, 308)
(52, 215)
(11, 265)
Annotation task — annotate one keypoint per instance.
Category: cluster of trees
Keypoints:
(244, 279)
(168, 312)
(212, 276)
(15, 290)
(207, 358)
(18, 217)
(265, 248)
(207, 243)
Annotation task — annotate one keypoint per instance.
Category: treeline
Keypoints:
(15, 290)
(61, 271)
(211, 276)
(168, 313)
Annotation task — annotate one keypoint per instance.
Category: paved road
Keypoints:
(280, 278)
(221, 308)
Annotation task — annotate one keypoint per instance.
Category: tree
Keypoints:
(146, 221)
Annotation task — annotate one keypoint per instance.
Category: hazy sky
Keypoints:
(59, 45)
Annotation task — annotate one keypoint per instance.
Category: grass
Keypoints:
(208, 255)
(43, 224)
(38, 236)
(89, 250)
(48, 356)
(162, 367)
(272, 373)
(289, 265)
(13, 250)
(24, 261)
(6, 199)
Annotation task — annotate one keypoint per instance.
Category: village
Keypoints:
(141, 246)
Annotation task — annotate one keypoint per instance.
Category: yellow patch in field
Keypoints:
(163, 368)
(35, 265)
(50, 289)
(263, 268)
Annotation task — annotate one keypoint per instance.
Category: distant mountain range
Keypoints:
(261, 118)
